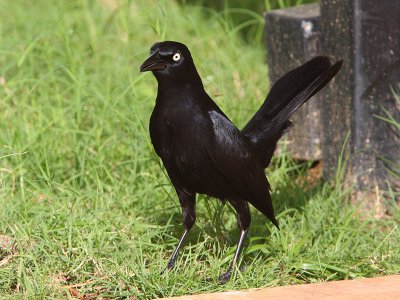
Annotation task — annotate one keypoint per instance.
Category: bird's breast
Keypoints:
(180, 138)
(177, 131)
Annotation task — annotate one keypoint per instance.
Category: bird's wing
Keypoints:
(233, 157)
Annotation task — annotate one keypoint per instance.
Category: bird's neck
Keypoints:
(191, 83)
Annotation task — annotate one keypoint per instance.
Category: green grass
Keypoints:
(83, 196)
(393, 121)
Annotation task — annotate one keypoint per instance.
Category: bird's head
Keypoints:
(170, 61)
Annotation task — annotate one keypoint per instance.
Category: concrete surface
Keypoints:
(387, 287)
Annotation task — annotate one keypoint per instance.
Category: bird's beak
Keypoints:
(153, 63)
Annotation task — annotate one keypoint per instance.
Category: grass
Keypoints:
(85, 206)
(393, 121)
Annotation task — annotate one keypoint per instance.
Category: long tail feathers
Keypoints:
(292, 90)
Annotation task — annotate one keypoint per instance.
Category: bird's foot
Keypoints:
(224, 278)
(170, 266)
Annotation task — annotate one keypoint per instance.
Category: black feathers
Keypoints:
(289, 92)
(203, 152)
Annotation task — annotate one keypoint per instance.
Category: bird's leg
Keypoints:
(227, 275)
(243, 216)
(171, 262)
(187, 201)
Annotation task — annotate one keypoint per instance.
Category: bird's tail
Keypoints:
(292, 90)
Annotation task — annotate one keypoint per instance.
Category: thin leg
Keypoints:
(187, 201)
(174, 255)
(227, 275)
(243, 217)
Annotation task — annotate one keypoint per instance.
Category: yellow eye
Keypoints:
(176, 56)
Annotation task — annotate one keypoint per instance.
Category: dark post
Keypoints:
(292, 37)
(366, 35)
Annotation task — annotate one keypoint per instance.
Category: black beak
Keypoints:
(153, 63)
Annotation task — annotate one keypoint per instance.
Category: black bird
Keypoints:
(203, 151)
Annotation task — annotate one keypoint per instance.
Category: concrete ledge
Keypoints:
(371, 288)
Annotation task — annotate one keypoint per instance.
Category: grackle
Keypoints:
(204, 152)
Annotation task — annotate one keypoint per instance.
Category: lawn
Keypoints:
(85, 205)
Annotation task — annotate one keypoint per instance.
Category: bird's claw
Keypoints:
(170, 266)
(224, 278)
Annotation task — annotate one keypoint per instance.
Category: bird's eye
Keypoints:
(176, 57)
